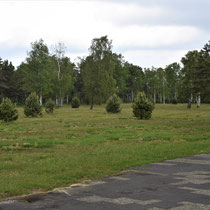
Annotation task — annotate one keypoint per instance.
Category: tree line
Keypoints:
(102, 73)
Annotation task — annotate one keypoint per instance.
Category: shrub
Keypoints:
(8, 112)
(49, 106)
(75, 102)
(142, 107)
(174, 101)
(32, 106)
(113, 104)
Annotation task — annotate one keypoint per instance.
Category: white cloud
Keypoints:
(156, 58)
(128, 14)
(154, 36)
(76, 23)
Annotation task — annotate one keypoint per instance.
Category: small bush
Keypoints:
(32, 106)
(8, 112)
(142, 107)
(174, 101)
(49, 106)
(113, 104)
(75, 102)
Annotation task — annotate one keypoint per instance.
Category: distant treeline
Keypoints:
(95, 77)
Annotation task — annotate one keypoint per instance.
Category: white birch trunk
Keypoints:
(40, 99)
(132, 96)
(190, 102)
(67, 99)
(61, 100)
(57, 102)
(198, 100)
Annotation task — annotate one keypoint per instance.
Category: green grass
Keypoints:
(72, 145)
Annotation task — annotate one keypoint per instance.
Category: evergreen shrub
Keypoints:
(142, 107)
(75, 102)
(32, 106)
(113, 104)
(8, 112)
(174, 101)
(49, 106)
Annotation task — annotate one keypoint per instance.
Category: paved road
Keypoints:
(179, 184)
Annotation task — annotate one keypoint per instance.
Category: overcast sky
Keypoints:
(146, 32)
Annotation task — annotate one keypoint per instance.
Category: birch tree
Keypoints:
(64, 74)
(35, 71)
(59, 54)
(97, 71)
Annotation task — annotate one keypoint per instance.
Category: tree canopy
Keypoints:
(101, 74)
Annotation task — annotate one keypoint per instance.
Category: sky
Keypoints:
(146, 32)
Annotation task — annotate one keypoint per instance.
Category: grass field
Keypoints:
(72, 145)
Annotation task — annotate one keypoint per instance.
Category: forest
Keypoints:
(52, 75)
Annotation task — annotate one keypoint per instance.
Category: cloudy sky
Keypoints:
(146, 32)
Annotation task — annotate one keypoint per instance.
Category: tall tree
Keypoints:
(161, 85)
(79, 89)
(150, 83)
(134, 80)
(191, 63)
(203, 72)
(7, 83)
(63, 74)
(171, 75)
(120, 75)
(35, 71)
(98, 70)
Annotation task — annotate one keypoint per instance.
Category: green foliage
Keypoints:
(36, 72)
(75, 102)
(97, 71)
(8, 112)
(142, 108)
(113, 104)
(49, 106)
(171, 76)
(62, 73)
(32, 106)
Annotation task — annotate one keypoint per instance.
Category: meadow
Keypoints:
(73, 145)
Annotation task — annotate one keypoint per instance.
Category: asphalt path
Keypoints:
(179, 184)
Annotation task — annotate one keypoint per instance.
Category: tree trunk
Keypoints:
(132, 96)
(154, 98)
(40, 98)
(161, 99)
(190, 102)
(58, 102)
(91, 106)
(67, 99)
(164, 98)
(198, 100)
(189, 105)
(61, 100)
